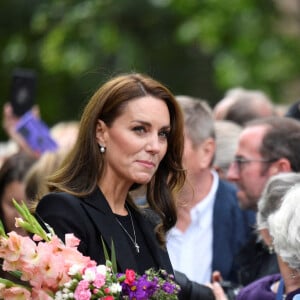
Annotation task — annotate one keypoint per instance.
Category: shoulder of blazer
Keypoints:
(96, 200)
(58, 199)
(227, 187)
(226, 191)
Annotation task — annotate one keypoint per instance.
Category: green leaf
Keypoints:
(113, 258)
(9, 284)
(104, 250)
(16, 273)
(2, 230)
(30, 223)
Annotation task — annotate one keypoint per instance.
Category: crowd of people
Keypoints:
(209, 194)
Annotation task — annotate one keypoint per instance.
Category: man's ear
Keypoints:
(101, 130)
(280, 166)
(208, 152)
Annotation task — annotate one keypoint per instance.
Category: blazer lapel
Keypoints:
(160, 255)
(103, 218)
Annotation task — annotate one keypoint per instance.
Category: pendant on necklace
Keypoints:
(137, 247)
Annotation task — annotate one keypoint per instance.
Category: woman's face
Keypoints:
(136, 142)
(14, 190)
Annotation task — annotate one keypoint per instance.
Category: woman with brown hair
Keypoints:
(131, 133)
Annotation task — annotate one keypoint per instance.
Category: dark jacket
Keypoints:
(191, 290)
(255, 261)
(91, 218)
(232, 228)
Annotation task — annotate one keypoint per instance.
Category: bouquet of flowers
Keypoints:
(48, 269)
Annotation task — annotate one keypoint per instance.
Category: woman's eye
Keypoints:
(164, 134)
(139, 129)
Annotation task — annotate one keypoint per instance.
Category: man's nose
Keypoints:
(233, 172)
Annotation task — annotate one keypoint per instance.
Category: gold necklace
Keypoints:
(136, 245)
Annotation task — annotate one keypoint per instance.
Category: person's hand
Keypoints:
(216, 287)
(216, 276)
(218, 291)
(9, 122)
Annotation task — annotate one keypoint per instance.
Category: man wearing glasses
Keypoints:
(266, 147)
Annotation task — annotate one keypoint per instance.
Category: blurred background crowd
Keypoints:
(235, 71)
(198, 48)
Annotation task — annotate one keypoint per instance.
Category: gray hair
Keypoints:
(249, 105)
(273, 194)
(198, 119)
(285, 228)
(241, 105)
(227, 135)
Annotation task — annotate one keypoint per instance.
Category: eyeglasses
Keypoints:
(240, 161)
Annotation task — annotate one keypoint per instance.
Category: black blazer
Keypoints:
(91, 218)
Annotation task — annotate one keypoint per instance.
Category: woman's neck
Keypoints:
(116, 196)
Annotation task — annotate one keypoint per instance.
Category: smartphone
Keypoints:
(23, 91)
(36, 133)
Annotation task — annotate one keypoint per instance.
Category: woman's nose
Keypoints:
(153, 145)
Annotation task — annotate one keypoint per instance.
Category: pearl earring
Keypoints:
(102, 149)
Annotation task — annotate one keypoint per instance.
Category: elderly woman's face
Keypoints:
(136, 142)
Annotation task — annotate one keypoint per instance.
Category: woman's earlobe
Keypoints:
(100, 131)
(102, 148)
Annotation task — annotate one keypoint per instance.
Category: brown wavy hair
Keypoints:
(83, 167)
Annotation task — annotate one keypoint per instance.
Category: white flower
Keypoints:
(58, 295)
(89, 274)
(101, 269)
(115, 288)
(65, 290)
(74, 269)
(68, 284)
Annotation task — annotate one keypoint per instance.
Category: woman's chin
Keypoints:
(143, 179)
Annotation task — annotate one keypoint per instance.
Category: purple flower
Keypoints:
(152, 285)
(168, 287)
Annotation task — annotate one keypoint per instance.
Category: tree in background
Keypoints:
(196, 47)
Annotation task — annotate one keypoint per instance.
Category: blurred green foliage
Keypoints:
(196, 47)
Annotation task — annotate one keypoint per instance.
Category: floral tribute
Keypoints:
(45, 268)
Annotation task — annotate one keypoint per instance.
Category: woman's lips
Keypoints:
(147, 163)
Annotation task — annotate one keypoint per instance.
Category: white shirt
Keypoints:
(191, 251)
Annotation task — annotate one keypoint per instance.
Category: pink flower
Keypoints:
(99, 280)
(38, 294)
(16, 251)
(130, 276)
(49, 271)
(15, 246)
(71, 240)
(16, 293)
(37, 238)
(82, 291)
